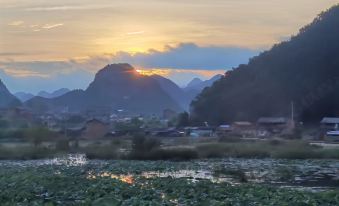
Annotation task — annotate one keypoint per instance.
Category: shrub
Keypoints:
(213, 150)
(296, 150)
(143, 144)
(62, 145)
(237, 173)
(37, 135)
(25, 153)
(178, 154)
(101, 152)
(229, 139)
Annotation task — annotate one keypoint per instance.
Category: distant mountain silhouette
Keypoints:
(115, 87)
(23, 96)
(194, 82)
(174, 91)
(54, 94)
(197, 85)
(304, 70)
(6, 98)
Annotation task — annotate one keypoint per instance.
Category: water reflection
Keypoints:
(124, 178)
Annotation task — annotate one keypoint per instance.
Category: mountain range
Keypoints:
(195, 86)
(54, 94)
(303, 70)
(6, 98)
(24, 96)
(115, 87)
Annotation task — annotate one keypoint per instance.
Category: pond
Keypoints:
(60, 179)
(312, 175)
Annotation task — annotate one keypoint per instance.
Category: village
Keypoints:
(96, 126)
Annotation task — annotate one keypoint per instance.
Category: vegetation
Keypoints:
(107, 183)
(183, 120)
(144, 148)
(303, 70)
(27, 153)
(37, 135)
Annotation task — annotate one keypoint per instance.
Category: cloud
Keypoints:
(67, 8)
(51, 26)
(16, 23)
(22, 73)
(12, 54)
(189, 56)
(180, 63)
(135, 33)
(36, 76)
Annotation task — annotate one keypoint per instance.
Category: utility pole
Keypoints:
(292, 115)
(292, 111)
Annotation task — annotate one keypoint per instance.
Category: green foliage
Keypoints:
(37, 135)
(64, 185)
(238, 173)
(4, 124)
(12, 134)
(143, 144)
(303, 70)
(131, 128)
(25, 153)
(183, 120)
(62, 145)
(101, 152)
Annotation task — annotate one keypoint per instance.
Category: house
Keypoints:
(170, 132)
(271, 126)
(224, 130)
(244, 129)
(332, 136)
(202, 132)
(330, 123)
(95, 129)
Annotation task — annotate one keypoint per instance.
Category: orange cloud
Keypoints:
(22, 73)
(150, 72)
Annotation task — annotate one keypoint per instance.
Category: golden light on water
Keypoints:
(124, 178)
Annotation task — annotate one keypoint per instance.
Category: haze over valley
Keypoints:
(159, 102)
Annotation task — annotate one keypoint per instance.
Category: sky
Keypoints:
(46, 45)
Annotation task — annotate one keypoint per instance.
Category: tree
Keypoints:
(37, 135)
(303, 70)
(183, 120)
(4, 124)
(134, 126)
(141, 144)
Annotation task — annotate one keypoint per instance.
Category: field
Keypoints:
(148, 148)
(75, 180)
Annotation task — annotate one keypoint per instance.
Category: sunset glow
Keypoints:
(176, 39)
(150, 72)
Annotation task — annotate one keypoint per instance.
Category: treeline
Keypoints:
(303, 70)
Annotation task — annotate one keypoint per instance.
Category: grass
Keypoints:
(150, 149)
(101, 152)
(26, 153)
(176, 154)
(266, 149)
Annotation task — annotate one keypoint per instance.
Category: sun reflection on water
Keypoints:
(124, 178)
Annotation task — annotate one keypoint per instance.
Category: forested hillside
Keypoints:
(304, 70)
